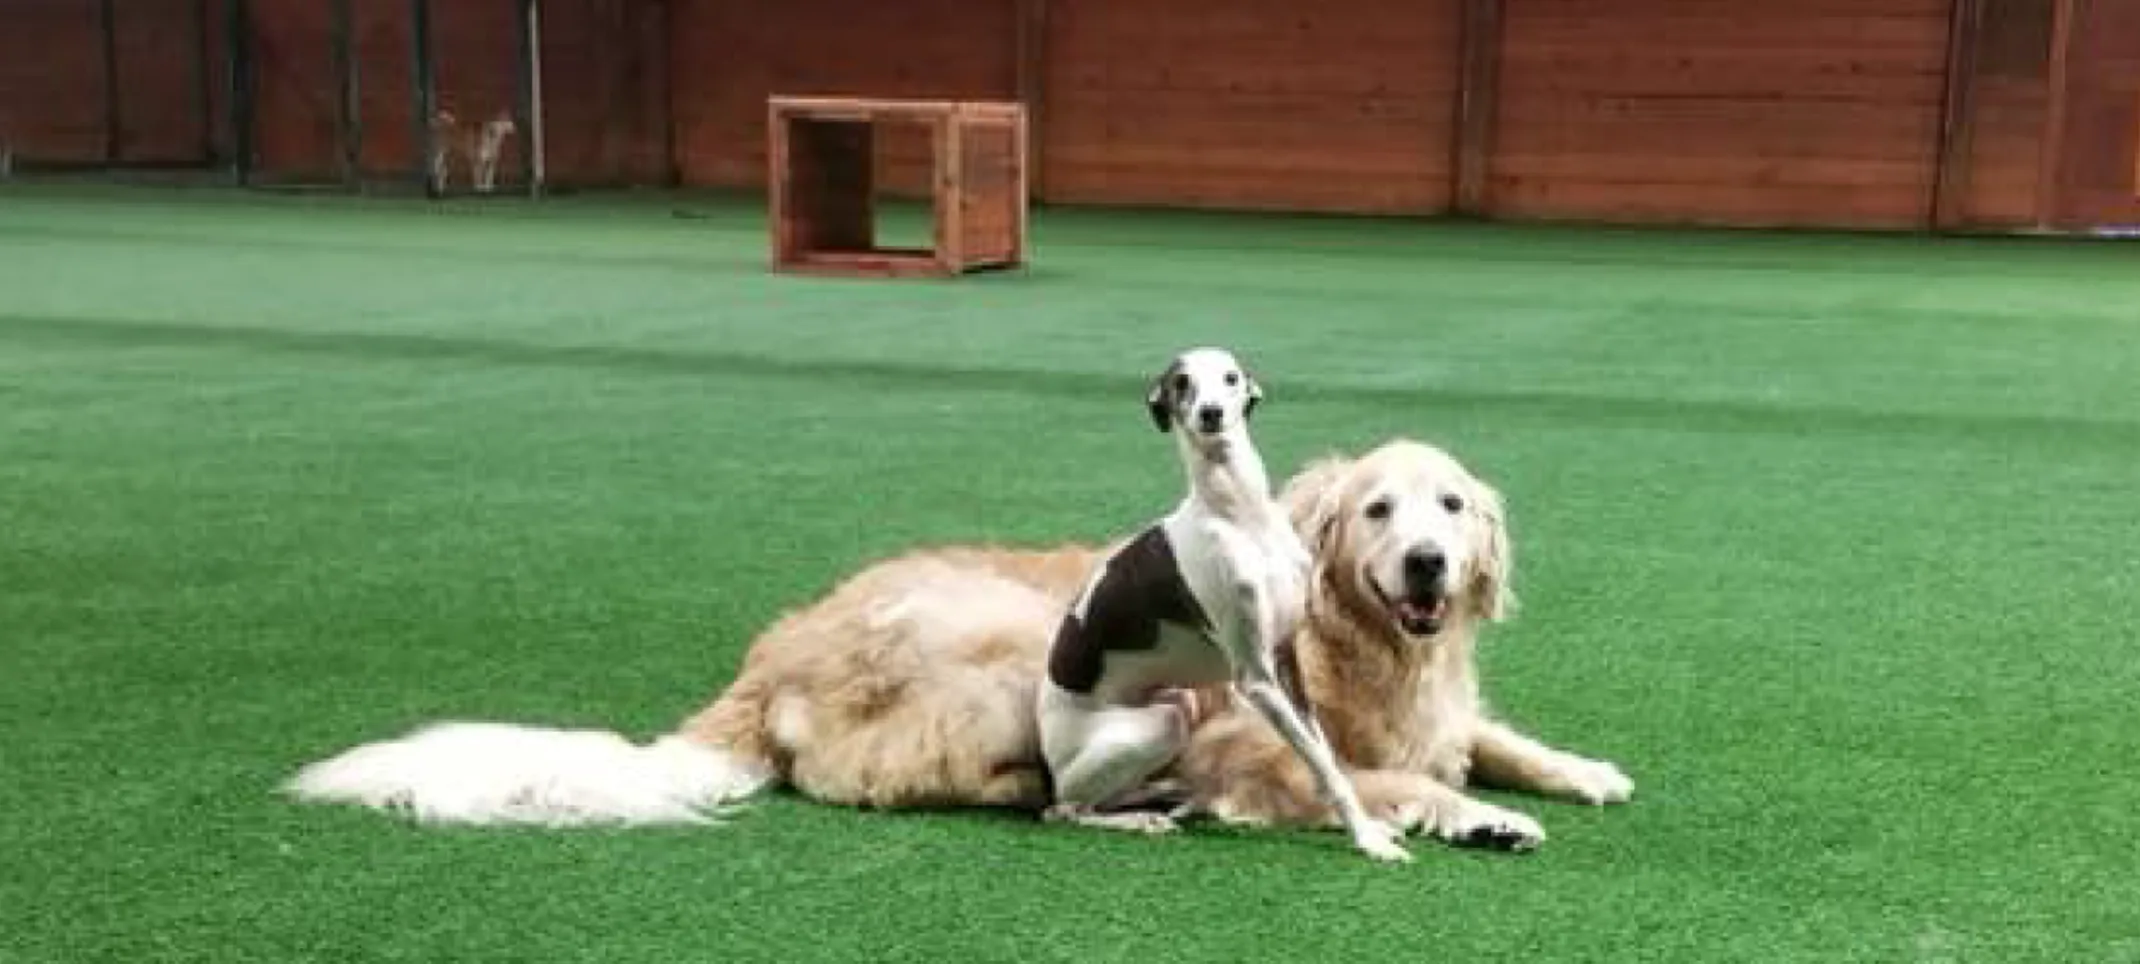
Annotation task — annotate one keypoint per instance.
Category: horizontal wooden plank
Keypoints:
(1407, 81)
(1221, 188)
(1736, 9)
(1728, 204)
(1275, 162)
(1714, 167)
(1216, 24)
(1854, 133)
(1780, 29)
(1304, 115)
(1750, 78)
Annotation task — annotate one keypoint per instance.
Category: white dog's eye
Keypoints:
(1454, 504)
(1378, 509)
(1181, 383)
(1233, 378)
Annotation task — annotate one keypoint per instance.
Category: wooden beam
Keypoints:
(349, 92)
(672, 163)
(238, 50)
(108, 21)
(425, 83)
(1957, 120)
(1032, 81)
(2051, 159)
(204, 80)
(1477, 94)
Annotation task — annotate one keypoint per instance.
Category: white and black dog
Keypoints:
(1211, 593)
(479, 146)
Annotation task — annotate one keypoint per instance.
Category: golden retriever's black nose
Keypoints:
(1424, 566)
(1209, 417)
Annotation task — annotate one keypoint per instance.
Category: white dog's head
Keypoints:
(1205, 392)
(1405, 537)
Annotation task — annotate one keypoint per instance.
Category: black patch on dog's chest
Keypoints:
(1140, 590)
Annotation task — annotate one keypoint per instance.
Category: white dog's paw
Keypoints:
(1130, 821)
(1476, 824)
(1594, 782)
(1145, 822)
(1382, 842)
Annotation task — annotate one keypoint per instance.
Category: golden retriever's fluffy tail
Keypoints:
(501, 773)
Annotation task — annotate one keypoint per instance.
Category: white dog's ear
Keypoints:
(1159, 399)
(1313, 501)
(1492, 576)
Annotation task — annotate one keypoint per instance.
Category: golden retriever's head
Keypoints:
(1404, 537)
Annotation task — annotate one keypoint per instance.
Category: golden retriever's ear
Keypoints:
(1312, 499)
(1492, 576)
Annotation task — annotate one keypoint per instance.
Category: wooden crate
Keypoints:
(820, 185)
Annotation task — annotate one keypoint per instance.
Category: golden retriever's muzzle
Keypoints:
(1422, 606)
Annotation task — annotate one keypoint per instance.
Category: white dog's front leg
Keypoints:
(1258, 682)
(1372, 836)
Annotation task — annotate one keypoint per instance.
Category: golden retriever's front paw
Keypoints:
(1476, 824)
(1594, 782)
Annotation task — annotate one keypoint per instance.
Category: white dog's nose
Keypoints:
(1210, 417)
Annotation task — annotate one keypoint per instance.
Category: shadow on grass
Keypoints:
(1685, 414)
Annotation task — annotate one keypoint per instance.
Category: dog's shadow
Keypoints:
(1195, 829)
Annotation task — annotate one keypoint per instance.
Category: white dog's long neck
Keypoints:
(1226, 476)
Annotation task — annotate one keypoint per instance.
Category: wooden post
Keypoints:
(1477, 96)
(779, 183)
(238, 44)
(426, 85)
(673, 163)
(1021, 215)
(108, 20)
(1032, 80)
(203, 84)
(348, 134)
(950, 191)
(2051, 159)
(1957, 121)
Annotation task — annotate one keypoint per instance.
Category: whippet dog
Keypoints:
(480, 147)
(1210, 593)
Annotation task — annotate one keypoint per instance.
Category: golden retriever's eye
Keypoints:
(1378, 510)
(1454, 504)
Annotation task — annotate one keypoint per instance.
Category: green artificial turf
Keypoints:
(1829, 540)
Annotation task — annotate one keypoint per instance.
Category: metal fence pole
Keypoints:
(532, 145)
(426, 90)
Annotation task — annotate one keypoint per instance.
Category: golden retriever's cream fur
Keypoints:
(911, 683)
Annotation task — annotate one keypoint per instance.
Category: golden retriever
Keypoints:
(911, 684)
